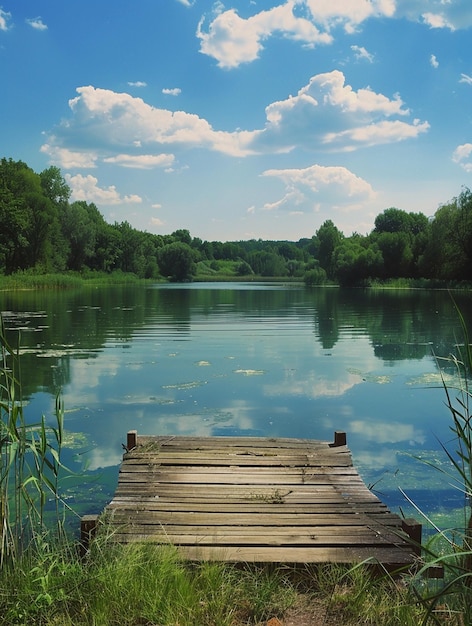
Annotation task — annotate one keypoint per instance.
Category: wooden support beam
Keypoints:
(414, 530)
(88, 529)
(340, 439)
(131, 440)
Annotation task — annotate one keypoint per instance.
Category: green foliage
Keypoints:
(448, 253)
(315, 276)
(135, 584)
(329, 237)
(176, 261)
(355, 263)
(40, 228)
(264, 263)
(451, 549)
(29, 460)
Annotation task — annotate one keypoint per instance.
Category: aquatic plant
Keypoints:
(451, 549)
(29, 458)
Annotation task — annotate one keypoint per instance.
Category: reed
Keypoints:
(29, 459)
(451, 548)
(34, 280)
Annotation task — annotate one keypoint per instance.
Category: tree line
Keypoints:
(42, 230)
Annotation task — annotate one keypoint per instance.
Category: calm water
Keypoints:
(244, 359)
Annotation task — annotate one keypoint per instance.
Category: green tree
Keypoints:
(315, 276)
(42, 219)
(13, 224)
(354, 263)
(328, 237)
(392, 221)
(397, 254)
(27, 217)
(176, 261)
(403, 234)
(182, 235)
(80, 232)
(448, 254)
(266, 263)
(54, 186)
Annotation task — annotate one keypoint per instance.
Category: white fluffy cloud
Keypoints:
(448, 14)
(172, 92)
(142, 161)
(433, 61)
(68, 159)
(337, 186)
(37, 23)
(462, 156)
(86, 188)
(328, 114)
(437, 20)
(118, 119)
(349, 15)
(4, 19)
(362, 54)
(137, 83)
(232, 40)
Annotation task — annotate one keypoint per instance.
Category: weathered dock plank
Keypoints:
(253, 499)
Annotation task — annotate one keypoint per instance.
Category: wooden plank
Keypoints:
(252, 499)
(182, 441)
(284, 554)
(224, 458)
(326, 533)
(239, 519)
(270, 503)
(274, 540)
(273, 509)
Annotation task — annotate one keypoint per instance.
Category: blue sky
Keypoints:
(243, 119)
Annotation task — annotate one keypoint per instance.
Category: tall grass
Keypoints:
(136, 584)
(29, 459)
(451, 548)
(29, 279)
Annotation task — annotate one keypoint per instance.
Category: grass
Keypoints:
(30, 280)
(132, 585)
(417, 283)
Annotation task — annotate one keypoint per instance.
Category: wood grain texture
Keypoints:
(254, 500)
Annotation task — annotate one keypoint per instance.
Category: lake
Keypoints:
(252, 359)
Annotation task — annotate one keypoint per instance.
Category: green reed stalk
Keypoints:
(455, 594)
(460, 406)
(29, 458)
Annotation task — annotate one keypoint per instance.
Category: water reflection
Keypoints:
(242, 359)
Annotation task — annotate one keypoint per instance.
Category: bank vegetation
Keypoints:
(43, 233)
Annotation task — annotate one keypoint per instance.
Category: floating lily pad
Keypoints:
(191, 385)
(370, 378)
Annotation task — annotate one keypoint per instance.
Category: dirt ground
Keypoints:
(306, 612)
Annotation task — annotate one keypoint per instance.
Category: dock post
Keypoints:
(88, 529)
(340, 439)
(414, 531)
(131, 440)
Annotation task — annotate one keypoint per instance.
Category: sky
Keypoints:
(243, 119)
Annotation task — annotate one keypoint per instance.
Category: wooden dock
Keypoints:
(255, 500)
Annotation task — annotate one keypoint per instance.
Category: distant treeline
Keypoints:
(42, 231)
